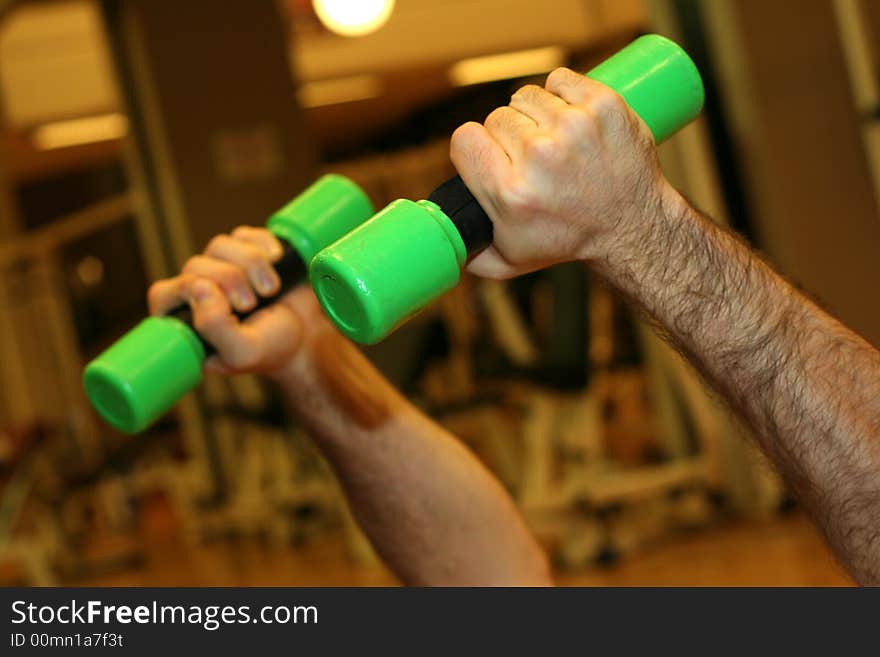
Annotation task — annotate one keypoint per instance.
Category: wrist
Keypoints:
(637, 233)
(335, 390)
(288, 374)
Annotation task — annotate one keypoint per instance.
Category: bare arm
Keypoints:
(809, 387)
(431, 510)
(568, 172)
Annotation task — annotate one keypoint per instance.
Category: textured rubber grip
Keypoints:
(290, 269)
(472, 222)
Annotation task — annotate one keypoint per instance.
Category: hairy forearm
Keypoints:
(809, 387)
(431, 510)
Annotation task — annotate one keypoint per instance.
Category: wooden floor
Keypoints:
(783, 552)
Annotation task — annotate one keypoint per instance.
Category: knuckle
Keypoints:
(191, 265)
(461, 134)
(217, 243)
(557, 77)
(496, 116)
(249, 232)
(607, 104)
(461, 142)
(542, 149)
(526, 92)
(154, 296)
(517, 196)
(222, 273)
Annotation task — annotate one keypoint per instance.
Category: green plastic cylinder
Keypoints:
(389, 268)
(329, 209)
(657, 80)
(144, 373)
(387, 283)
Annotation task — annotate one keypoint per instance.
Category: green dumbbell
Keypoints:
(409, 254)
(145, 372)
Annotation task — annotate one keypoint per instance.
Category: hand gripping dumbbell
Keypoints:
(145, 372)
(392, 266)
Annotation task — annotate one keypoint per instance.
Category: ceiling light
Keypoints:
(339, 90)
(353, 17)
(75, 132)
(506, 66)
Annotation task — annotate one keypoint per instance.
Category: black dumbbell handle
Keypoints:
(472, 222)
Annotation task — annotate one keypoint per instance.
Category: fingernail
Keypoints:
(265, 282)
(242, 300)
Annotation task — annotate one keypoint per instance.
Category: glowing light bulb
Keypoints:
(353, 17)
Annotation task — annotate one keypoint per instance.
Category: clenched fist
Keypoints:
(229, 276)
(561, 171)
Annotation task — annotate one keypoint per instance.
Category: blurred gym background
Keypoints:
(131, 131)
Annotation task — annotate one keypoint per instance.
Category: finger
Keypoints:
(573, 88)
(278, 325)
(232, 280)
(166, 294)
(491, 264)
(269, 326)
(538, 104)
(511, 129)
(604, 105)
(213, 319)
(250, 258)
(482, 164)
(262, 239)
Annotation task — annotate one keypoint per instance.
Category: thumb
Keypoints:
(491, 264)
